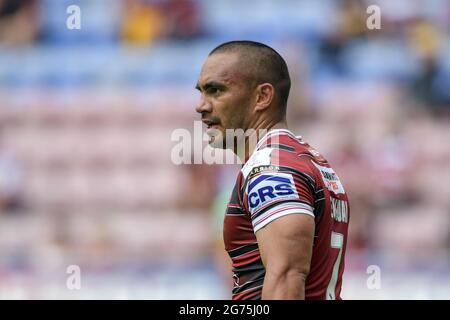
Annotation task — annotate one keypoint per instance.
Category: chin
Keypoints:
(216, 139)
(217, 143)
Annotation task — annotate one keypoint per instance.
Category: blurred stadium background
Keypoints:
(85, 140)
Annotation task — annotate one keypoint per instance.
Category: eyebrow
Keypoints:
(210, 84)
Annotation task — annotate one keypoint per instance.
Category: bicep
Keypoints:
(281, 206)
(286, 243)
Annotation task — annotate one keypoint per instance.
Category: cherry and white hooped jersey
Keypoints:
(283, 176)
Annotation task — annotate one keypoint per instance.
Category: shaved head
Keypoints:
(260, 63)
(243, 85)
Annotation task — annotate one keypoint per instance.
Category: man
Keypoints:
(285, 226)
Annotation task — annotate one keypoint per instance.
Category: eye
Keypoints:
(212, 90)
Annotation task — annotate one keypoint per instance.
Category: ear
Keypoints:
(265, 93)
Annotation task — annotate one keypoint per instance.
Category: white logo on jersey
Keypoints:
(339, 210)
(257, 159)
(331, 179)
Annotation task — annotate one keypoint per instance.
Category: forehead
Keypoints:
(223, 67)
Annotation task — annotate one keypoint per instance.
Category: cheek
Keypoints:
(231, 116)
(240, 114)
(237, 118)
(232, 111)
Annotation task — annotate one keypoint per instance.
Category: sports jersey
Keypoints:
(285, 175)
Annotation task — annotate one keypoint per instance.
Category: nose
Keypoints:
(203, 106)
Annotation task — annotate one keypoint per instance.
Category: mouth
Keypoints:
(210, 124)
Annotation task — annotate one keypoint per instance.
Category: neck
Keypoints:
(256, 132)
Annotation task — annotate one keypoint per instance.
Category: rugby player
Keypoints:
(285, 226)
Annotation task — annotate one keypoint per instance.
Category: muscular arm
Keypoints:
(285, 246)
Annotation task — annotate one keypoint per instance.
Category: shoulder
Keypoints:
(282, 152)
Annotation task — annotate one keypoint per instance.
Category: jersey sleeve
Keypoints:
(273, 191)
